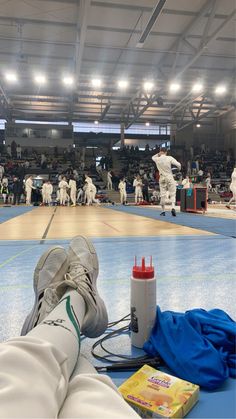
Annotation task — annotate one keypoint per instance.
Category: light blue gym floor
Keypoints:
(192, 271)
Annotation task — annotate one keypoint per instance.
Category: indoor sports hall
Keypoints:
(91, 87)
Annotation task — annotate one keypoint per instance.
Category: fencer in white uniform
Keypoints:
(36, 368)
(109, 180)
(63, 186)
(137, 183)
(47, 190)
(28, 188)
(87, 193)
(93, 192)
(73, 191)
(232, 187)
(123, 193)
(166, 181)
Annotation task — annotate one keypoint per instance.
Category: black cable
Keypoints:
(130, 362)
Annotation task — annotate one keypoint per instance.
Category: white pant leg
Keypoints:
(163, 190)
(34, 378)
(109, 184)
(28, 196)
(171, 186)
(93, 396)
(73, 196)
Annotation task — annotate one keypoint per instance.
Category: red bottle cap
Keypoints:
(143, 272)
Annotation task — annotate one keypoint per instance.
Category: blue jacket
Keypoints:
(198, 346)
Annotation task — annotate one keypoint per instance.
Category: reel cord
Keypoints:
(130, 363)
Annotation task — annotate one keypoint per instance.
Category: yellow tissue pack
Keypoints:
(155, 394)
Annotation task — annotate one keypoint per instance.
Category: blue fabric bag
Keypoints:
(198, 346)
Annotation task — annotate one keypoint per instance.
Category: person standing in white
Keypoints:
(18, 151)
(137, 183)
(232, 187)
(36, 368)
(47, 190)
(122, 189)
(28, 188)
(63, 186)
(73, 191)
(109, 180)
(166, 181)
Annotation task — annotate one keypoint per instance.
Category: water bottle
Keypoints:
(143, 302)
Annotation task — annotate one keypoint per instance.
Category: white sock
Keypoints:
(62, 326)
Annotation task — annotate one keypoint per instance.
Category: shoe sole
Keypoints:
(30, 319)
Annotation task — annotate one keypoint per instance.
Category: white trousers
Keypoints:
(47, 198)
(63, 196)
(167, 184)
(28, 196)
(138, 194)
(109, 184)
(123, 197)
(73, 196)
(35, 383)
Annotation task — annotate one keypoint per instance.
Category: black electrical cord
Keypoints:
(130, 363)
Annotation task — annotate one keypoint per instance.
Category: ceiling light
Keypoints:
(68, 80)
(174, 87)
(220, 90)
(122, 84)
(152, 20)
(147, 124)
(198, 125)
(96, 122)
(197, 87)
(11, 77)
(40, 79)
(148, 86)
(96, 82)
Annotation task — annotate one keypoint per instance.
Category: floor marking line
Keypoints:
(118, 231)
(48, 227)
(15, 256)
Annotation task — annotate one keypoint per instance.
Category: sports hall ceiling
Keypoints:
(164, 41)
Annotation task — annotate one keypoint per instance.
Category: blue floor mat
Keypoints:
(6, 213)
(221, 226)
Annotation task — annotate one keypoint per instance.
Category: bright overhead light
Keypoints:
(197, 87)
(68, 80)
(122, 84)
(147, 124)
(174, 87)
(220, 90)
(96, 122)
(11, 77)
(40, 79)
(148, 86)
(198, 125)
(96, 82)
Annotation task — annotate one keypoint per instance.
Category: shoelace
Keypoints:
(80, 276)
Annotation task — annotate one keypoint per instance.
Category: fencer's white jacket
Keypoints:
(29, 184)
(63, 185)
(164, 163)
(122, 186)
(137, 184)
(88, 179)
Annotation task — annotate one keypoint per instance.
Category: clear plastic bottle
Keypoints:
(142, 302)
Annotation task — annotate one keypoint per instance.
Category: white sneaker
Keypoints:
(50, 269)
(82, 276)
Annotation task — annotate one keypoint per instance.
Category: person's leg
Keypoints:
(172, 192)
(93, 396)
(52, 347)
(163, 190)
(33, 373)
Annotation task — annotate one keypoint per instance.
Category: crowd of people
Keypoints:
(138, 173)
